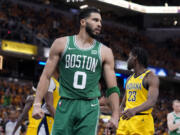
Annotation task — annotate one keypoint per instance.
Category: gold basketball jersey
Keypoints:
(56, 95)
(136, 94)
(32, 122)
(32, 128)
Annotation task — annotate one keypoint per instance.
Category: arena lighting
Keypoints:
(175, 22)
(177, 74)
(46, 52)
(42, 63)
(74, 1)
(9, 32)
(119, 64)
(1, 62)
(18, 47)
(161, 72)
(123, 77)
(158, 71)
(166, 4)
(124, 82)
(142, 8)
(83, 6)
(74, 11)
(118, 74)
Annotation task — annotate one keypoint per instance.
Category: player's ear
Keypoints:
(83, 22)
(135, 59)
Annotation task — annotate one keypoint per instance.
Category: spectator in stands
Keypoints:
(173, 119)
(9, 126)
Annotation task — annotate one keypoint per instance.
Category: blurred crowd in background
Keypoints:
(41, 25)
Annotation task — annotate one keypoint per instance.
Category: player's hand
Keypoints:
(127, 114)
(37, 113)
(120, 113)
(112, 125)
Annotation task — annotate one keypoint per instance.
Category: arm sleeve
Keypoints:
(52, 86)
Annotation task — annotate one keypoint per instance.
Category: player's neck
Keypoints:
(139, 70)
(84, 38)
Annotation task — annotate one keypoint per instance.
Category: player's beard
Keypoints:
(129, 66)
(90, 32)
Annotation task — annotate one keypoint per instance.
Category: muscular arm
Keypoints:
(54, 56)
(104, 106)
(49, 97)
(123, 104)
(49, 102)
(171, 125)
(110, 78)
(153, 92)
(29, 102)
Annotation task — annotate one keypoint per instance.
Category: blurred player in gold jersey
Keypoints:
(50, 105)
(142, 90)
(27, 111)
(42, 126)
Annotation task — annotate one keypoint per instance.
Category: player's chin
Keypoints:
(96, 35)
(129, 67)
(96, 32)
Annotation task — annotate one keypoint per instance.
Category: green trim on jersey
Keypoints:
(80, 71)
(83, 49)
(176, 119)
(67, 43)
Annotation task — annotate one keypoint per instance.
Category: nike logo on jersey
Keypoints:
(92, 105)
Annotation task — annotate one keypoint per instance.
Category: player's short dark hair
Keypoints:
(142, 55)
(85, 12)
